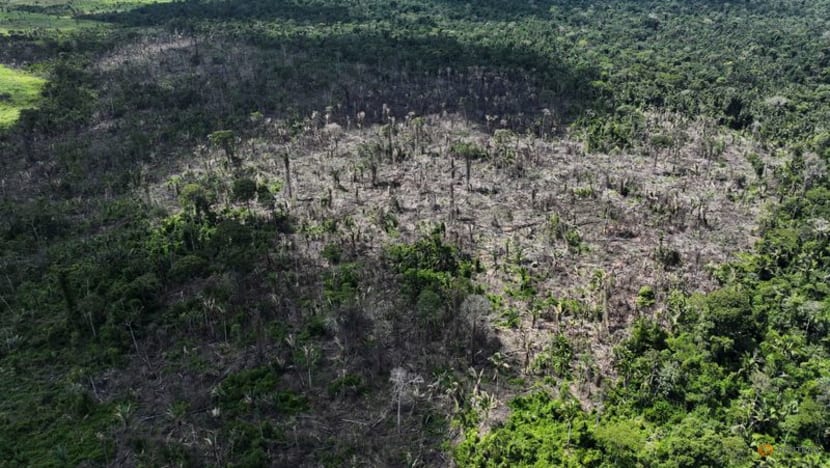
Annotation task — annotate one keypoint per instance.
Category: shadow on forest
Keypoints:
(408, 66)
(194, 10)
(367, 68)
(329, 11)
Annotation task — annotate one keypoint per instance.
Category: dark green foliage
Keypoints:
(196, 198)
(244, 190)
(350, 385)
(258, 387)
(189, 267)
(428, 253)
(429, 308)
(668, 257)
(729, 313)
(645, 335)
(616, 133)
(68, 101)
(430, 264)
(341, 284)
(333, 253)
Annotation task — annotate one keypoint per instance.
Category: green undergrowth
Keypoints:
(745, 365)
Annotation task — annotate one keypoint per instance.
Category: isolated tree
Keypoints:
(244, 190)
(224, 139)
(194, 198)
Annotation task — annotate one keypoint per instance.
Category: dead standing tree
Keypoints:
(405, 385)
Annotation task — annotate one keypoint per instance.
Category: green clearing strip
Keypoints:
(49, 16)
(84, 6)
(18, 91)
(16, 22)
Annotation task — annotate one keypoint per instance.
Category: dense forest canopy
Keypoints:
(414, 233)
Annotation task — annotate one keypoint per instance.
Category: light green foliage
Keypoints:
(467, 150)
(622, 441)
(18, 90)
(196, 199)
(556, 358)
(541, 431)
(645, 297)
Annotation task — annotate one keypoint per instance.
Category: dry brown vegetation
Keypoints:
(591, 227)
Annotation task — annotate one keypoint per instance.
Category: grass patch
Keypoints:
(84, 6)
(49, 16)
(18, 90)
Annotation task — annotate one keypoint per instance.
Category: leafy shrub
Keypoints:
(645, 335)
(244, 190)
(430, 264)
(196, 198)
(556, 358)
(646, 297)
(258, 388)
(468, 150)
(189, 267)
(349, 385)
(429, 308)
(340, 284)
(333, 253)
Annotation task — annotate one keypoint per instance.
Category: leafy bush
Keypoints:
(556, 358)
(645, 297)
(244, 190)
(430, 264)
(340, 284)
(468, 150)
(350, 385)
(258, 388)
(333, 253)
(189, 267)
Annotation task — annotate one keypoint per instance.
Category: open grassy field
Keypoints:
(28, 16)
(27, 22)
(18, 90)
(82, 6)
